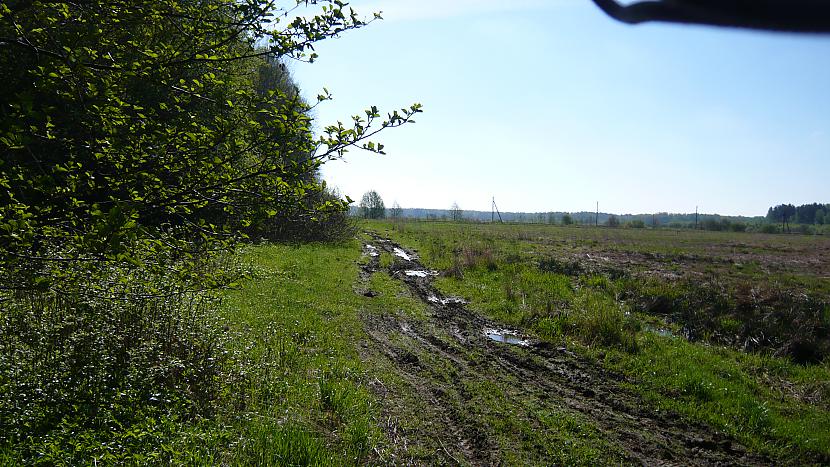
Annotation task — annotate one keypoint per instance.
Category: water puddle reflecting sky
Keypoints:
(402, 254)
(505, 336)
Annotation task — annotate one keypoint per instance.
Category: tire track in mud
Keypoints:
(547, 375)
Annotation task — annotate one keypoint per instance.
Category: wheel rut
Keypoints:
(539, 374)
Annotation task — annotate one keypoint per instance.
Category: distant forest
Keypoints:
(582, 217)
(813, 213)
(787, 215)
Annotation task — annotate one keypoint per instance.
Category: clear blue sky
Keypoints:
(549, 105)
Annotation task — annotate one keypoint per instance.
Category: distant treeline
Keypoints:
(583, 217)
(813, 213)
(807, 218)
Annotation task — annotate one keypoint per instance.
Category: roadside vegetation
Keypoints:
(301, 393)
(142, 144)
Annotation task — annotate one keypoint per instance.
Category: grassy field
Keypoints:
(303, 399)
(631, 346)
(349, 361)
(318, 389)
(725, 329)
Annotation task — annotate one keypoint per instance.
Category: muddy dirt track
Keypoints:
(454, 338)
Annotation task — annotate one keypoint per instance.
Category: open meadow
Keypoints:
(438, 343)
(458, 343)
(693, 347)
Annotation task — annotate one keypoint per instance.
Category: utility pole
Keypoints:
(695, 217)
(596, 219)
(495, 210)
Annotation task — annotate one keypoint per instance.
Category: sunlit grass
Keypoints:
(304, 400)
(771, 404)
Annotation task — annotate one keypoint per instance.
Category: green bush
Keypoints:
(319, 216)
(84, 368)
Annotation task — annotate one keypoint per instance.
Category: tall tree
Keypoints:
(551, 218)
(396, 211)
(806, 213)
(136, 127)
(456, 213)
(371, 206)
(782, 213)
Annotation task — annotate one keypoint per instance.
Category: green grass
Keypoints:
(734, 392)
(304, 399)
(772, 405)
(302, 382)
(394, 298)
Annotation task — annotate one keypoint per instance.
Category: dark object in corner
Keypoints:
(812, 16)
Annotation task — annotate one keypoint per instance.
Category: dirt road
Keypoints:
(465, 377)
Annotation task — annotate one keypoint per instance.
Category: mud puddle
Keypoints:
(663, 332)
(401, 254)
(447, 300)
(454, 349)
(419, 273)
(506, 336)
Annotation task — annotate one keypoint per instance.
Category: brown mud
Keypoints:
(444, 354)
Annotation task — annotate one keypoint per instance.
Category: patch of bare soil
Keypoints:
(452, 341)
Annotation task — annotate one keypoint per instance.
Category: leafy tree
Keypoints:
(142, 127)
(396, 211)
(613, 221)
(806, 213)
(567, 219)
(820, 217)
(371, 206)
(456, 213)
(782, 213)
(738, 227)
(137, 139)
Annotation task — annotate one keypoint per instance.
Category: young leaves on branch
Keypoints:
(137, 130)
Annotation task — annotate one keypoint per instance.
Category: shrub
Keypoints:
(471, 257)
(322, 216)
(83, 367)
(805, 229)
(747, 316)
